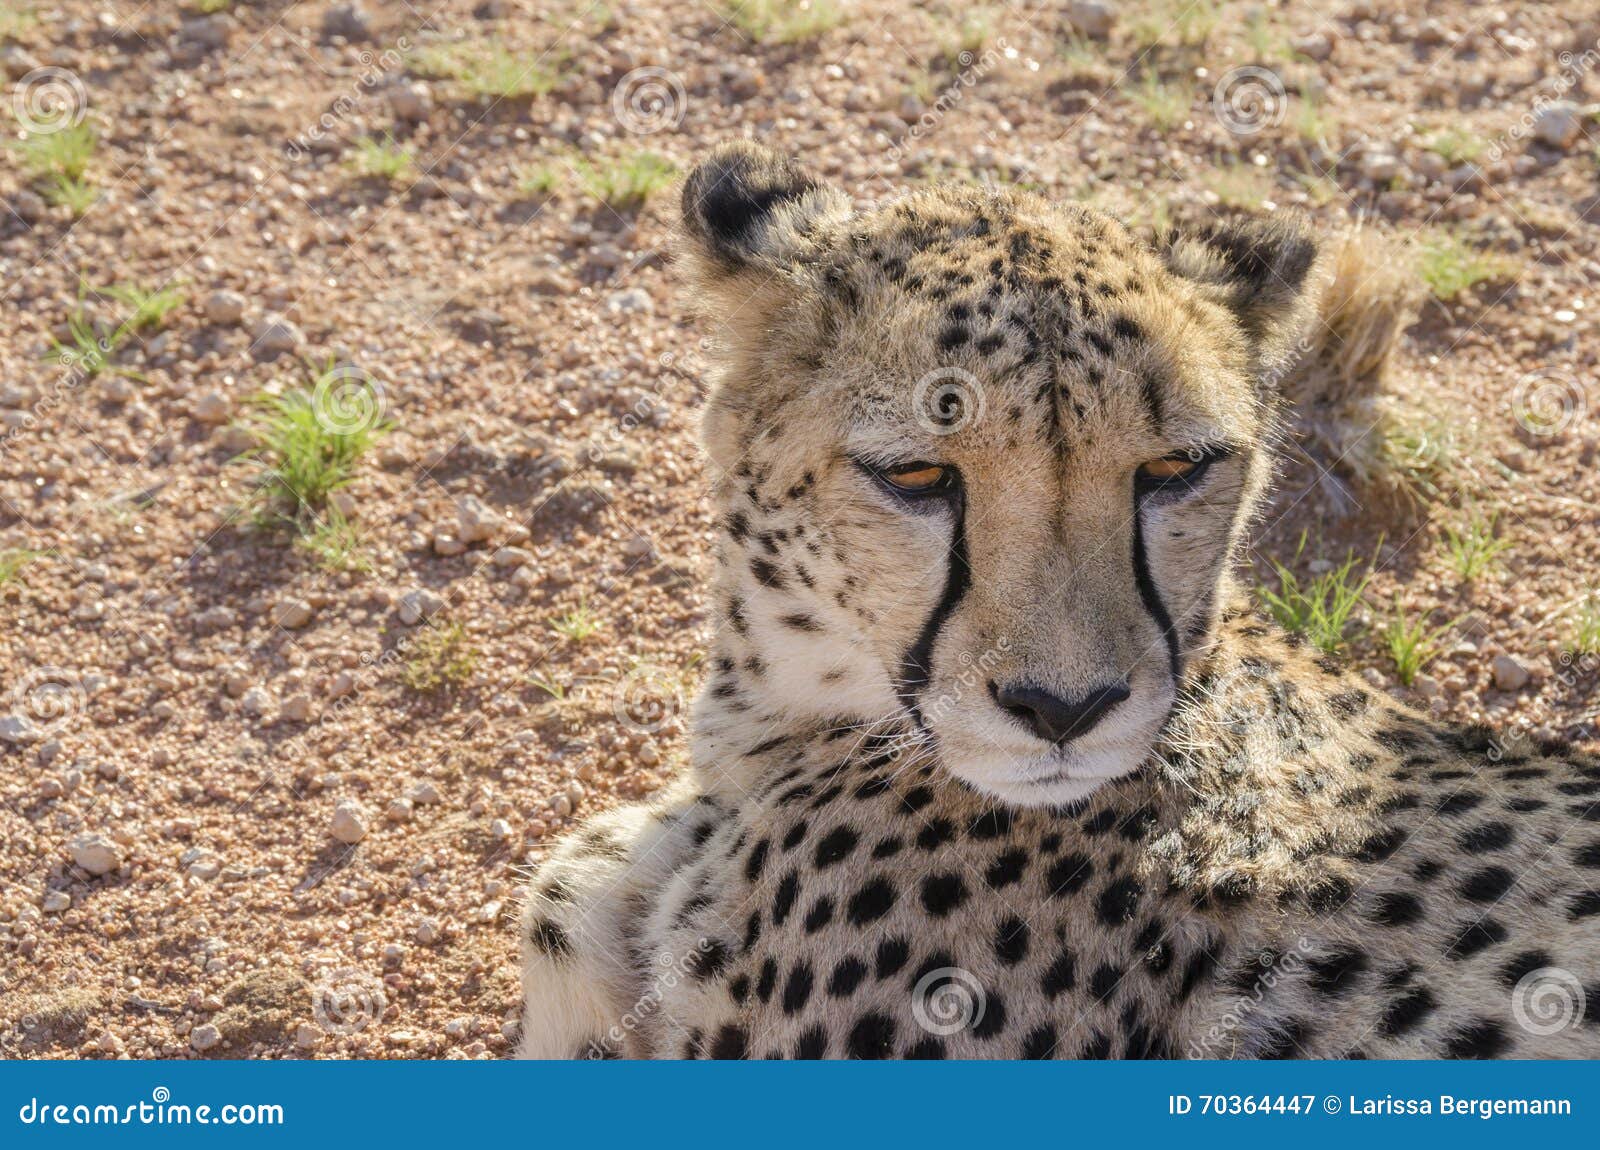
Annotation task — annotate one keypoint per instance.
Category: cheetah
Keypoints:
(993, 758)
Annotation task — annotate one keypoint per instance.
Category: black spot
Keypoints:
(1061, 976)
(1476, 936)
(1328, 895)
(1523, 965)
(871, 902)
(766, 980)
(1119, 902)
(926, 1050)
(936, 834)
(797, 990)
(709, 961)
(1283, 1040)
(846, 977)
(1488, 837)
(820, 915)
(1381, 845)
(1006, 869)
(1588, 857)
(549, 938)
(1583, 905)
(1336, 973)
(1201, 966)
(1483, 1039)
(1396, 908)
(917, 798)
(991, 825)
(1011, 941)
(1407, 1011)
(1099, 1046)
(813, 1044)
(943, 893)
(1104, 981)
(835, 847)
(800, 621)
(766, 574)
(794, 836)
(872, 1037)
(729, 1043)
(893, 954)
(888, 848)
(1068, 874)
(783, 903)
(992, 1021)
(756, 860)
(1040, 1042)
(1488, 884)
(1457, 803)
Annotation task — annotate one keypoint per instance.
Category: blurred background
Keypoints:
(351, 520)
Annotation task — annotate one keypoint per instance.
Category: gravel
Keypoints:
(542, 379)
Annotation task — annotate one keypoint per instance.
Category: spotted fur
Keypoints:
(1009, 770)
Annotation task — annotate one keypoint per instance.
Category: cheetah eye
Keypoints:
(916, 478)
(1169, 468)
(1180, 471)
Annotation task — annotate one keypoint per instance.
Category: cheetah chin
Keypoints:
(993, 758)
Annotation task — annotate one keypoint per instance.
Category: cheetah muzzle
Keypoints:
(992, 761)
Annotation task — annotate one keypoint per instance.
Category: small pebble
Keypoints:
(349, 822)
(95, 853)
(204, 1036)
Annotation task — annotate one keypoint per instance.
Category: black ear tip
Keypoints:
(728, 195)
(1268, 253)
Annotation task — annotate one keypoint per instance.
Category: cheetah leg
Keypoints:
(579, 932)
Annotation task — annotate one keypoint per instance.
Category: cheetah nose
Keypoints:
(1056, 719)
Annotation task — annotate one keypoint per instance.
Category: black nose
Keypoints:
(1054, 718)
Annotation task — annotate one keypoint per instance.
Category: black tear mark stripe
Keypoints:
(1147, 589)
(916, 665)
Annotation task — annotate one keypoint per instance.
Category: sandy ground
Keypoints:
(255, 805)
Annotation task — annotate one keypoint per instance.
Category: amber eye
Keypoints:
(917, 477)
(1170, 468)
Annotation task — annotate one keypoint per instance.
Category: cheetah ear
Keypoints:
(746, 207)
(1260, 270)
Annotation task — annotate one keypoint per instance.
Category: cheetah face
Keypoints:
(982, 462)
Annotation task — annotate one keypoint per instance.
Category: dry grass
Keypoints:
(1338, 387)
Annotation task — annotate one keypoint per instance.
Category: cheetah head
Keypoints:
(982, 462)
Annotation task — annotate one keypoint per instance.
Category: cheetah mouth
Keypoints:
(1060, 775)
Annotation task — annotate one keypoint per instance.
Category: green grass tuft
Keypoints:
(383, 159)
(1321, 609)
(334, 543)
(1413, 644)
(783, 21)
(538, 180)
(439, 658)
(308, 449)
(14, 562)
(148, 309)
(626, 183)
(1165, 105)
(1449, 266)
(1456, 147)
(1473, 549)
(1585, 638)
(577, 624)
(491, 70)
